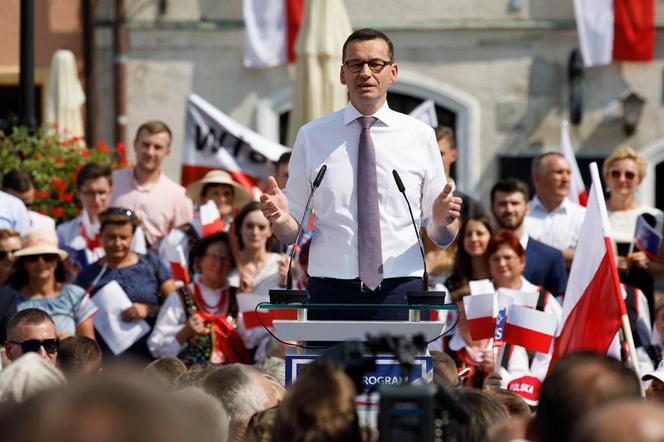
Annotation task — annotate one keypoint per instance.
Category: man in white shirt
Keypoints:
(403, 144)
(552, 217)
(13, 214)
(19, 184)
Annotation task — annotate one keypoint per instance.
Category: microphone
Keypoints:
(425, 296)
(402, 189)
(289, 295)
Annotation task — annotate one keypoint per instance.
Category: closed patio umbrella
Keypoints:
(317, 90)
(64, 95)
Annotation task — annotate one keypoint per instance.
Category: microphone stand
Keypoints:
(425, 296)
(290, 295)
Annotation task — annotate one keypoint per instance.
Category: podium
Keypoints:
(308, 332)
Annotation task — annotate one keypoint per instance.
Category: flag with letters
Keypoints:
(213, 140)
(646, 238)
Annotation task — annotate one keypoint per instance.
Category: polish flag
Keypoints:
(593, 307)
(577, 192)
(524, 299)
(529, 328)
(620, 30)
(252, 318)
(210, 219)
(174, 254)
(270, 31)
(481, 314)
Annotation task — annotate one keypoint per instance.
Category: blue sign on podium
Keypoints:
(388, 370)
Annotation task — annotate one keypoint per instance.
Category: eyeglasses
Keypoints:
(375, 65)
(629, 175)
(118, 211)
(32, 345)
(47, 257)
(498, 259)
(5, 254)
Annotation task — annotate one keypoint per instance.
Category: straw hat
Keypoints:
(40, 242)
(195, 189)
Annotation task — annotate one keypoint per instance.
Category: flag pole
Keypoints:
(627, 331)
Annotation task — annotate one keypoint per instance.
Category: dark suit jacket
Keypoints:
(545, 266)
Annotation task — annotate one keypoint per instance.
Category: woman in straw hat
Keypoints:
(39, 275)
(228, 195)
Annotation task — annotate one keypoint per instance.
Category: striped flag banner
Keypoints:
(530, 328)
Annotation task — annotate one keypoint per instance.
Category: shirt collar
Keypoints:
(537, 204)
(384, 114)
(146, 187)
(524, 241)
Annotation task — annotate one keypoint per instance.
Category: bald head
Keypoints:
(623, 421)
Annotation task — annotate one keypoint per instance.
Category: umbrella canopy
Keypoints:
(317, 89)
(65, 96)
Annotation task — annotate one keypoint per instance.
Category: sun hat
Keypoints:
(40, 242)
(241, 195)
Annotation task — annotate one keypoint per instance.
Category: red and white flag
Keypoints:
(270, 31)
(213, 140)
(177, 261)
(621, 30)
(529, 328)
(251, 318)
(577, 192)
(481, 311)
(210, 219)
(593, 306)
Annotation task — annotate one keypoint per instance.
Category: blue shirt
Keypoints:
(141, 281)
(68, 309)
(13, 214)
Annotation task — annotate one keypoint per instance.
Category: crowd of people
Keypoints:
(175, 356)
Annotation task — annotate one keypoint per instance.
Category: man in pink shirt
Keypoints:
(160, 202)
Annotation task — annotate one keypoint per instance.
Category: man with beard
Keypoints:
(545, 265)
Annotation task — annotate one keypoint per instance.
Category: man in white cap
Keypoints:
(655, 391)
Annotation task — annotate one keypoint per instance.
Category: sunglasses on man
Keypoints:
(32, 345)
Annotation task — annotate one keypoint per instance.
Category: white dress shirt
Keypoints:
(403, 144)
(558, 228)
(13, 214)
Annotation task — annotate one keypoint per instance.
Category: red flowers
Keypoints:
(59, 184)
(59, 160)
(102, 146)
(121, 148)
(66, 197)
(85, 153)
(57, 212)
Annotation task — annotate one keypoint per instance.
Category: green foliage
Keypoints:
(53, 160)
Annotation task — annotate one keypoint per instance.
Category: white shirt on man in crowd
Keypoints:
(558, 228)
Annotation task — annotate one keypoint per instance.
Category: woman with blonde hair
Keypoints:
(623, 171)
